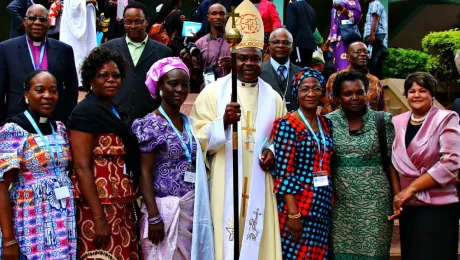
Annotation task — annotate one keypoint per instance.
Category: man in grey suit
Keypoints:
(141, 52)
(279, 70)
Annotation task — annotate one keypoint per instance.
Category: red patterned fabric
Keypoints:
(118, 197)
(124, 241)
(108, 168)
(297, 159)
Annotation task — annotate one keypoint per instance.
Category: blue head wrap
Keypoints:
(303, 74)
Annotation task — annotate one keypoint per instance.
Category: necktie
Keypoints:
(281, 70)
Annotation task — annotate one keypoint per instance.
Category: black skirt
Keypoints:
(429, 232)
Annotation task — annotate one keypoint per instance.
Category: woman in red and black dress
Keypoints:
(303, 183)
(106, 164)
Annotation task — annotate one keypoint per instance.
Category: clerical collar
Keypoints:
(33, 43)
(244, 84)
(21, 120)
(37, 118)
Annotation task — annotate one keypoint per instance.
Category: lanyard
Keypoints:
(42, 54)
(115, 112)
(314, 136)
(45, 141)
(188, 152)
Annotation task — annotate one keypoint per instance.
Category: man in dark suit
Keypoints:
(141, 52)
(279, 70)
(301, 22)
(17, 10)
(22, 55)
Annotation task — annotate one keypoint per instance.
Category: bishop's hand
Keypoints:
(232, 114)
(267, 160)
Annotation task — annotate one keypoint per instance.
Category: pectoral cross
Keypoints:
(233, 15)
(285, 102)
(249, 140)
(245, 195)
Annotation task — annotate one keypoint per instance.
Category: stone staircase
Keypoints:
(188, 104)
(395, 250)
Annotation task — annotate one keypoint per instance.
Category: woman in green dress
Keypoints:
(361, 229)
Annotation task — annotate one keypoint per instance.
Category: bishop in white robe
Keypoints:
(259, 226)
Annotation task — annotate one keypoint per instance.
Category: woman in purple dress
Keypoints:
(342, 10)
(173, 174)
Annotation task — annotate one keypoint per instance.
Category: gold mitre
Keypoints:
(250, 25)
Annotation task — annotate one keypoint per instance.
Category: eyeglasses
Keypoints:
(315, 90)
(277, 42)
(35, 18)
(135, 22)
(106, 76)
(361, 52)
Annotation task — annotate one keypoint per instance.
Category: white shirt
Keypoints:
(276, 65)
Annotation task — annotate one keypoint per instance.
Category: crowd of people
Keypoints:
(323, 171)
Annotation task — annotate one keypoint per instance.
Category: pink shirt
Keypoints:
(434, 150)
(36, 49)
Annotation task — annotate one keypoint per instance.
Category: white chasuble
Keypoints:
(259, 226)
(78, 29)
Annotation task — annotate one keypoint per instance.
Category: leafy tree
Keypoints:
(443, 46)
(402, 62)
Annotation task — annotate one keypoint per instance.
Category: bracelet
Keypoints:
(10, 243)
(155, 220)
(295, 216)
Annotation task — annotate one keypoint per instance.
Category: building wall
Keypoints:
(430, 18)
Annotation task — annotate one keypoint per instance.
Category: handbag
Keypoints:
(349, 32)
(158, 32)
(381, 133)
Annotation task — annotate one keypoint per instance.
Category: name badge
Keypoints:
(346, 22)
(320, 179)
(189, 177)
(62, 192)
(208, 78)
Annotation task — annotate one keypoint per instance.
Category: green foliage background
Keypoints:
(402, 62)
(442, 46)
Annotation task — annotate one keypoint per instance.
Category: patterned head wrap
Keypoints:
(303, 74)
(160, 68)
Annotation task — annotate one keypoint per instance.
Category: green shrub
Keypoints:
(442, 46)
(402, 62)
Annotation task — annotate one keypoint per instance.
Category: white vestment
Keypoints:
(78, 29)
(259, 235)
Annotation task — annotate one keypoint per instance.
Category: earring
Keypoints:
(161, 93)
(27, 101)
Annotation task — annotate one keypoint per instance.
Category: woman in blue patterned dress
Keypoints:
(303, 149)
(37, 217)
